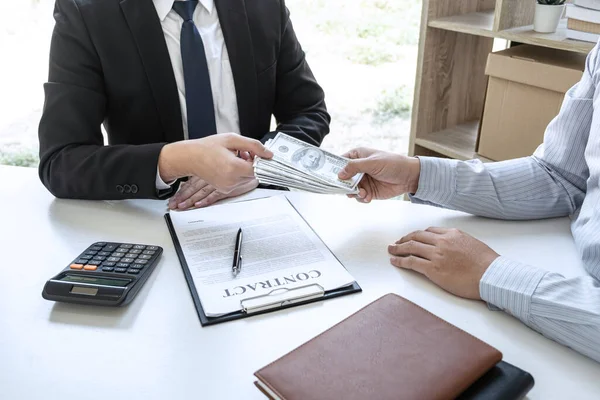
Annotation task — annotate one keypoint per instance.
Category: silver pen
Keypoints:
(237, 254)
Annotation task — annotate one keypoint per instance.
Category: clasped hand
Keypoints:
(196, 192)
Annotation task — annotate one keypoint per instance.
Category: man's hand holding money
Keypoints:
(387, 175)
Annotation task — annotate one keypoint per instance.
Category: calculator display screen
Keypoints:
(95, 280)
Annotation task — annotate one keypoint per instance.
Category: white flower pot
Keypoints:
(547, 17)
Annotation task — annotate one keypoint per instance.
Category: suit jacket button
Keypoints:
(127, 188)
(119, 188)
(134, 189)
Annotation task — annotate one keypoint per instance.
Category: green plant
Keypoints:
(391, 104)
(368, 54)
(551, 2)
(19, 158)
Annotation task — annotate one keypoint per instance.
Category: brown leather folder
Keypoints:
(390, 349)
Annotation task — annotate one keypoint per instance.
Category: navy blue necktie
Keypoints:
(198, 94)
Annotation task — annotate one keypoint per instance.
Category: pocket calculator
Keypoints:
(105, 274)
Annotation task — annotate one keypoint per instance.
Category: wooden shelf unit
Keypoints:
(456, 38)
(456, 142)
(482, 24)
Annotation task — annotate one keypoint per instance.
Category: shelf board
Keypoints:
(458, 142)
(558, 40)
(477, 23)
(482, 24)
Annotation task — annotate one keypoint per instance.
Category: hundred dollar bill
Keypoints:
(284, 170)
(311, 161)
(298, 182)
(293, 186)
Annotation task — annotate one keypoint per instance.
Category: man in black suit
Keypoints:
(157, 72)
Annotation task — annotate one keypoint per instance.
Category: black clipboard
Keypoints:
(206, 320)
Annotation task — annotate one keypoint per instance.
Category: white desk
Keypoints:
(156, 349)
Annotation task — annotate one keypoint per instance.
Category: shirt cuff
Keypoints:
(160, 184)
(510, 285)
(437, 181)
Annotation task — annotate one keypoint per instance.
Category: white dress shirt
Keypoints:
(561, 178)
(207, 22)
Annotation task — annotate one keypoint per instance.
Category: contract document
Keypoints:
(280, 254)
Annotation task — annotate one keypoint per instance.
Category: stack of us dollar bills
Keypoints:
(300, 166)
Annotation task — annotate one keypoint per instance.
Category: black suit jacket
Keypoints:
(109, 65)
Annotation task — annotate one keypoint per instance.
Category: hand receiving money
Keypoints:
(301, 166)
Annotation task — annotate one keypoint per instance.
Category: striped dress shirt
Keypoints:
(561, 178)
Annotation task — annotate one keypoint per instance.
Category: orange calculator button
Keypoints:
(76, 266)
(90, 267)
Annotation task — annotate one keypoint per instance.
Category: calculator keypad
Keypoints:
(115, 258)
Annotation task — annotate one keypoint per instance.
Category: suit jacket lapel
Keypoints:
(147, 31)
(236, 32)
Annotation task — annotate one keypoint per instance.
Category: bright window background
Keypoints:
(363, 53)
(25, 30)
